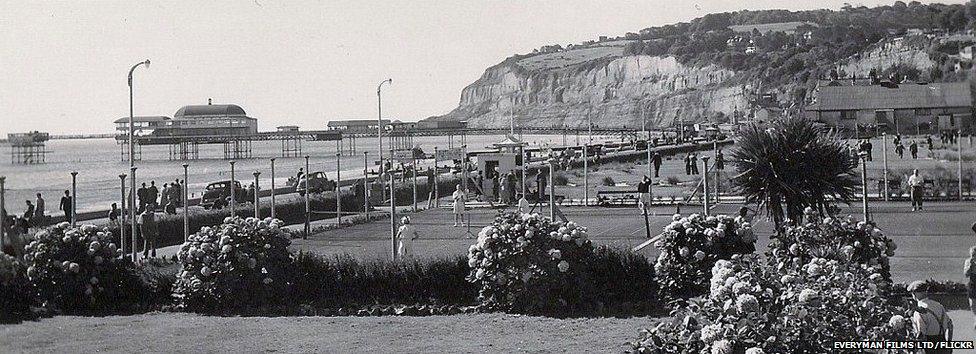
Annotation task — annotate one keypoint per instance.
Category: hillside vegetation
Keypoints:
(719, 65)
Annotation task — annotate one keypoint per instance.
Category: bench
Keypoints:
(625, 195)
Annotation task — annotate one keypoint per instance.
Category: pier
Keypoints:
(28, 148)
(237, 146)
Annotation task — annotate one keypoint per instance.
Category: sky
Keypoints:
(63, 64)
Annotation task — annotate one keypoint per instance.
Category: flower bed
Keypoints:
(815, 284)
(15, 299)
(77, 270)
(691, 245)
(241, 264)
(525, 263)
(842, 239)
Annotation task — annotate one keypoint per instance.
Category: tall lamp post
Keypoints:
(379, 122)
(132, 161)
(185, 200)
(864, 185)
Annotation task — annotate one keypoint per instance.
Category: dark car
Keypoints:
(318, 183)
(217, 194)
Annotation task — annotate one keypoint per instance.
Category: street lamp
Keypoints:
(379, 119)
(132, 161)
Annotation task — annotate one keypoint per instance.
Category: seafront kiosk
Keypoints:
(506, 160)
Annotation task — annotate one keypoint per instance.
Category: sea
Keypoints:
(99, 163)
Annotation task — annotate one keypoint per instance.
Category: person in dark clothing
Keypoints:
(913, 148)
(900, 150)
(694, 164)
(928, 141)
(153, 194)
(868, 148)
(65, 205)
(719, 160)
(143, 195)
(29, 213)
(113, 215)
(688, 164)
(656, 159)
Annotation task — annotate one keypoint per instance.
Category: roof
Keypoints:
(210, 110)
(509, 141)
(904, 96)
(772, 27)
(141, 119)
(354, 122)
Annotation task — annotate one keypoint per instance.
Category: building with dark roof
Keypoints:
(209, 119)
(900, 108)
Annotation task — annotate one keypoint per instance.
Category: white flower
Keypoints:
(746, 303)
(722, 347)
(711, 333)
(684, 252)
(755, 350)
(563, 266)
(555, 254)
(699, 255)
(897, 322)
(808, 296)
(676, 217)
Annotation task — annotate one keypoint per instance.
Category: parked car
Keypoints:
(318, 182)
(217, 194)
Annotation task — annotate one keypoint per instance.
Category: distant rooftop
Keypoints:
(786, 27)
(210, 110)
(141, 119)
(903, 96)
(354, 122)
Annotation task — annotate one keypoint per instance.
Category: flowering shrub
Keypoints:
(816, 287)
(243, 263)
(526, 263)
(15, 300)
(79, 270)
(691, 245)
(845, 240)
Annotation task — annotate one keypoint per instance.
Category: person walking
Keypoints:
(65, 205)
(644, 189)
(913, 148)
(900, 150)
(868, 149)
(917, 185)
(688, 164)
(656, 159)
(176, 192)
(719, 160)
(929, 319)
(407, 234)
(150, 231)
(694, 164)
(459, 199)
(970, 272)
(928, 142)
(39, 218)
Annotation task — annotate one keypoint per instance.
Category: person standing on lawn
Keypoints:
(407, 234)
(928, 141)
(900, 150)
(459, 200)
(929, 319)
(688, 164)
(917, 185)
(971, 275)
(657, 164)
(913, 148)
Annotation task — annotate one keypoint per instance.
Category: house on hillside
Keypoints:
(766, 28)
(896, 108)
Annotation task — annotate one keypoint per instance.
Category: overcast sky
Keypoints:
(63, 64)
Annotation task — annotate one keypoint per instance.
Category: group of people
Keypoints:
(900, 148)
(151, 198)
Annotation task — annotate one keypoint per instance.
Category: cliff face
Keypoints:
(609, 91)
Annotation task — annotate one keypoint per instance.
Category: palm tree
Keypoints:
(792, 165)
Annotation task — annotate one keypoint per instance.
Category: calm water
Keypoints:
(98, 162)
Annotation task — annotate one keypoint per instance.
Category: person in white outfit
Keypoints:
(407, 233)
(459, 199)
